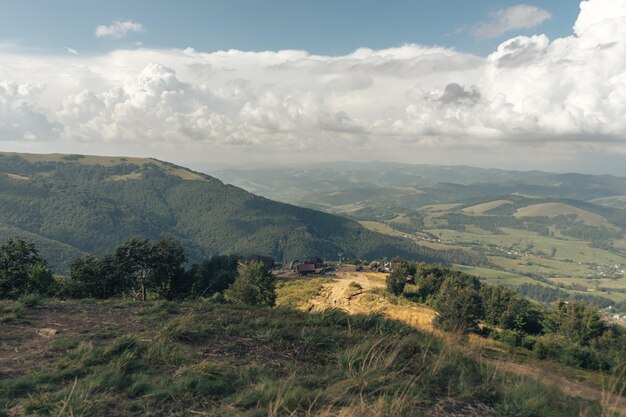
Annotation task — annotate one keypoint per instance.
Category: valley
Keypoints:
(533, 230)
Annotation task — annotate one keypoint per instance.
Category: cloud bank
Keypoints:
(532, 91)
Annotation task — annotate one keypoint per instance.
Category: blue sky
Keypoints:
(507, 84)
(321, 26)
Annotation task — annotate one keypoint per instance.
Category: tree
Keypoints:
(136, 265)
(22, 269)
(134, 259)
(508, 310)
(578, 322)
(429, 279)
(396, 280)
(40, 279)
(167, 259)
(254, 286)
(97, 278)
(213, 275)
(458, 304)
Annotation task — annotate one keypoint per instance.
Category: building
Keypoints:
(317, 261)
(306, 268)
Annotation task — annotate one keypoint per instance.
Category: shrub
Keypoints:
(253, 286)
(458, 304)
(396, 280)
(22, 270)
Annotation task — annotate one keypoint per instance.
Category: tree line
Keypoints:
(571, 332)
(138, 268)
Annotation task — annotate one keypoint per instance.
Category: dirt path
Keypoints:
(343, 294)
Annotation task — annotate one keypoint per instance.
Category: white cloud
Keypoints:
(20, 117)
(118, 29)
(400, 103)
(521, 16)
(71, 50)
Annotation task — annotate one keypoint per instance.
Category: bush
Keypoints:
(22, 270)
(396, 280)
(254, 286)
(458, 304)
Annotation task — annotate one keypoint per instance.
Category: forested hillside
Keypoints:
(70, 204)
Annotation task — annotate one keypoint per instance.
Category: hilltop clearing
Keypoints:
(121, 358)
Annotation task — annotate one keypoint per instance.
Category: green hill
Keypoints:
(76, 203)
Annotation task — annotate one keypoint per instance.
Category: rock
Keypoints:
(47, 332)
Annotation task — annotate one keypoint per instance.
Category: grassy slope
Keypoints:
(558, 209)
(212, 359)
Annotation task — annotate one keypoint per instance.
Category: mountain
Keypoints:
(72, 204)
(336, 182)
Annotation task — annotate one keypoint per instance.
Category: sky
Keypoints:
(209, 84)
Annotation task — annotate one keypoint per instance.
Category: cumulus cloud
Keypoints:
(569, 92)
(521, 16)
(118, 29)
(20, 118)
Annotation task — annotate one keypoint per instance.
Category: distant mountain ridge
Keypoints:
(333, 184)
(72, 204)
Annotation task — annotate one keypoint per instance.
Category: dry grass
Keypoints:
(484, 207)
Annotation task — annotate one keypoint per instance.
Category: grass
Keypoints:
(208, 358)
(355, 286)
(15, 310)
(297, 292)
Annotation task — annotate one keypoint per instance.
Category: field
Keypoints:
(521, 256)
(484, 207)
(558, 209)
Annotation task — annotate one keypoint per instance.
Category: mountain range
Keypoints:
(73, 204)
